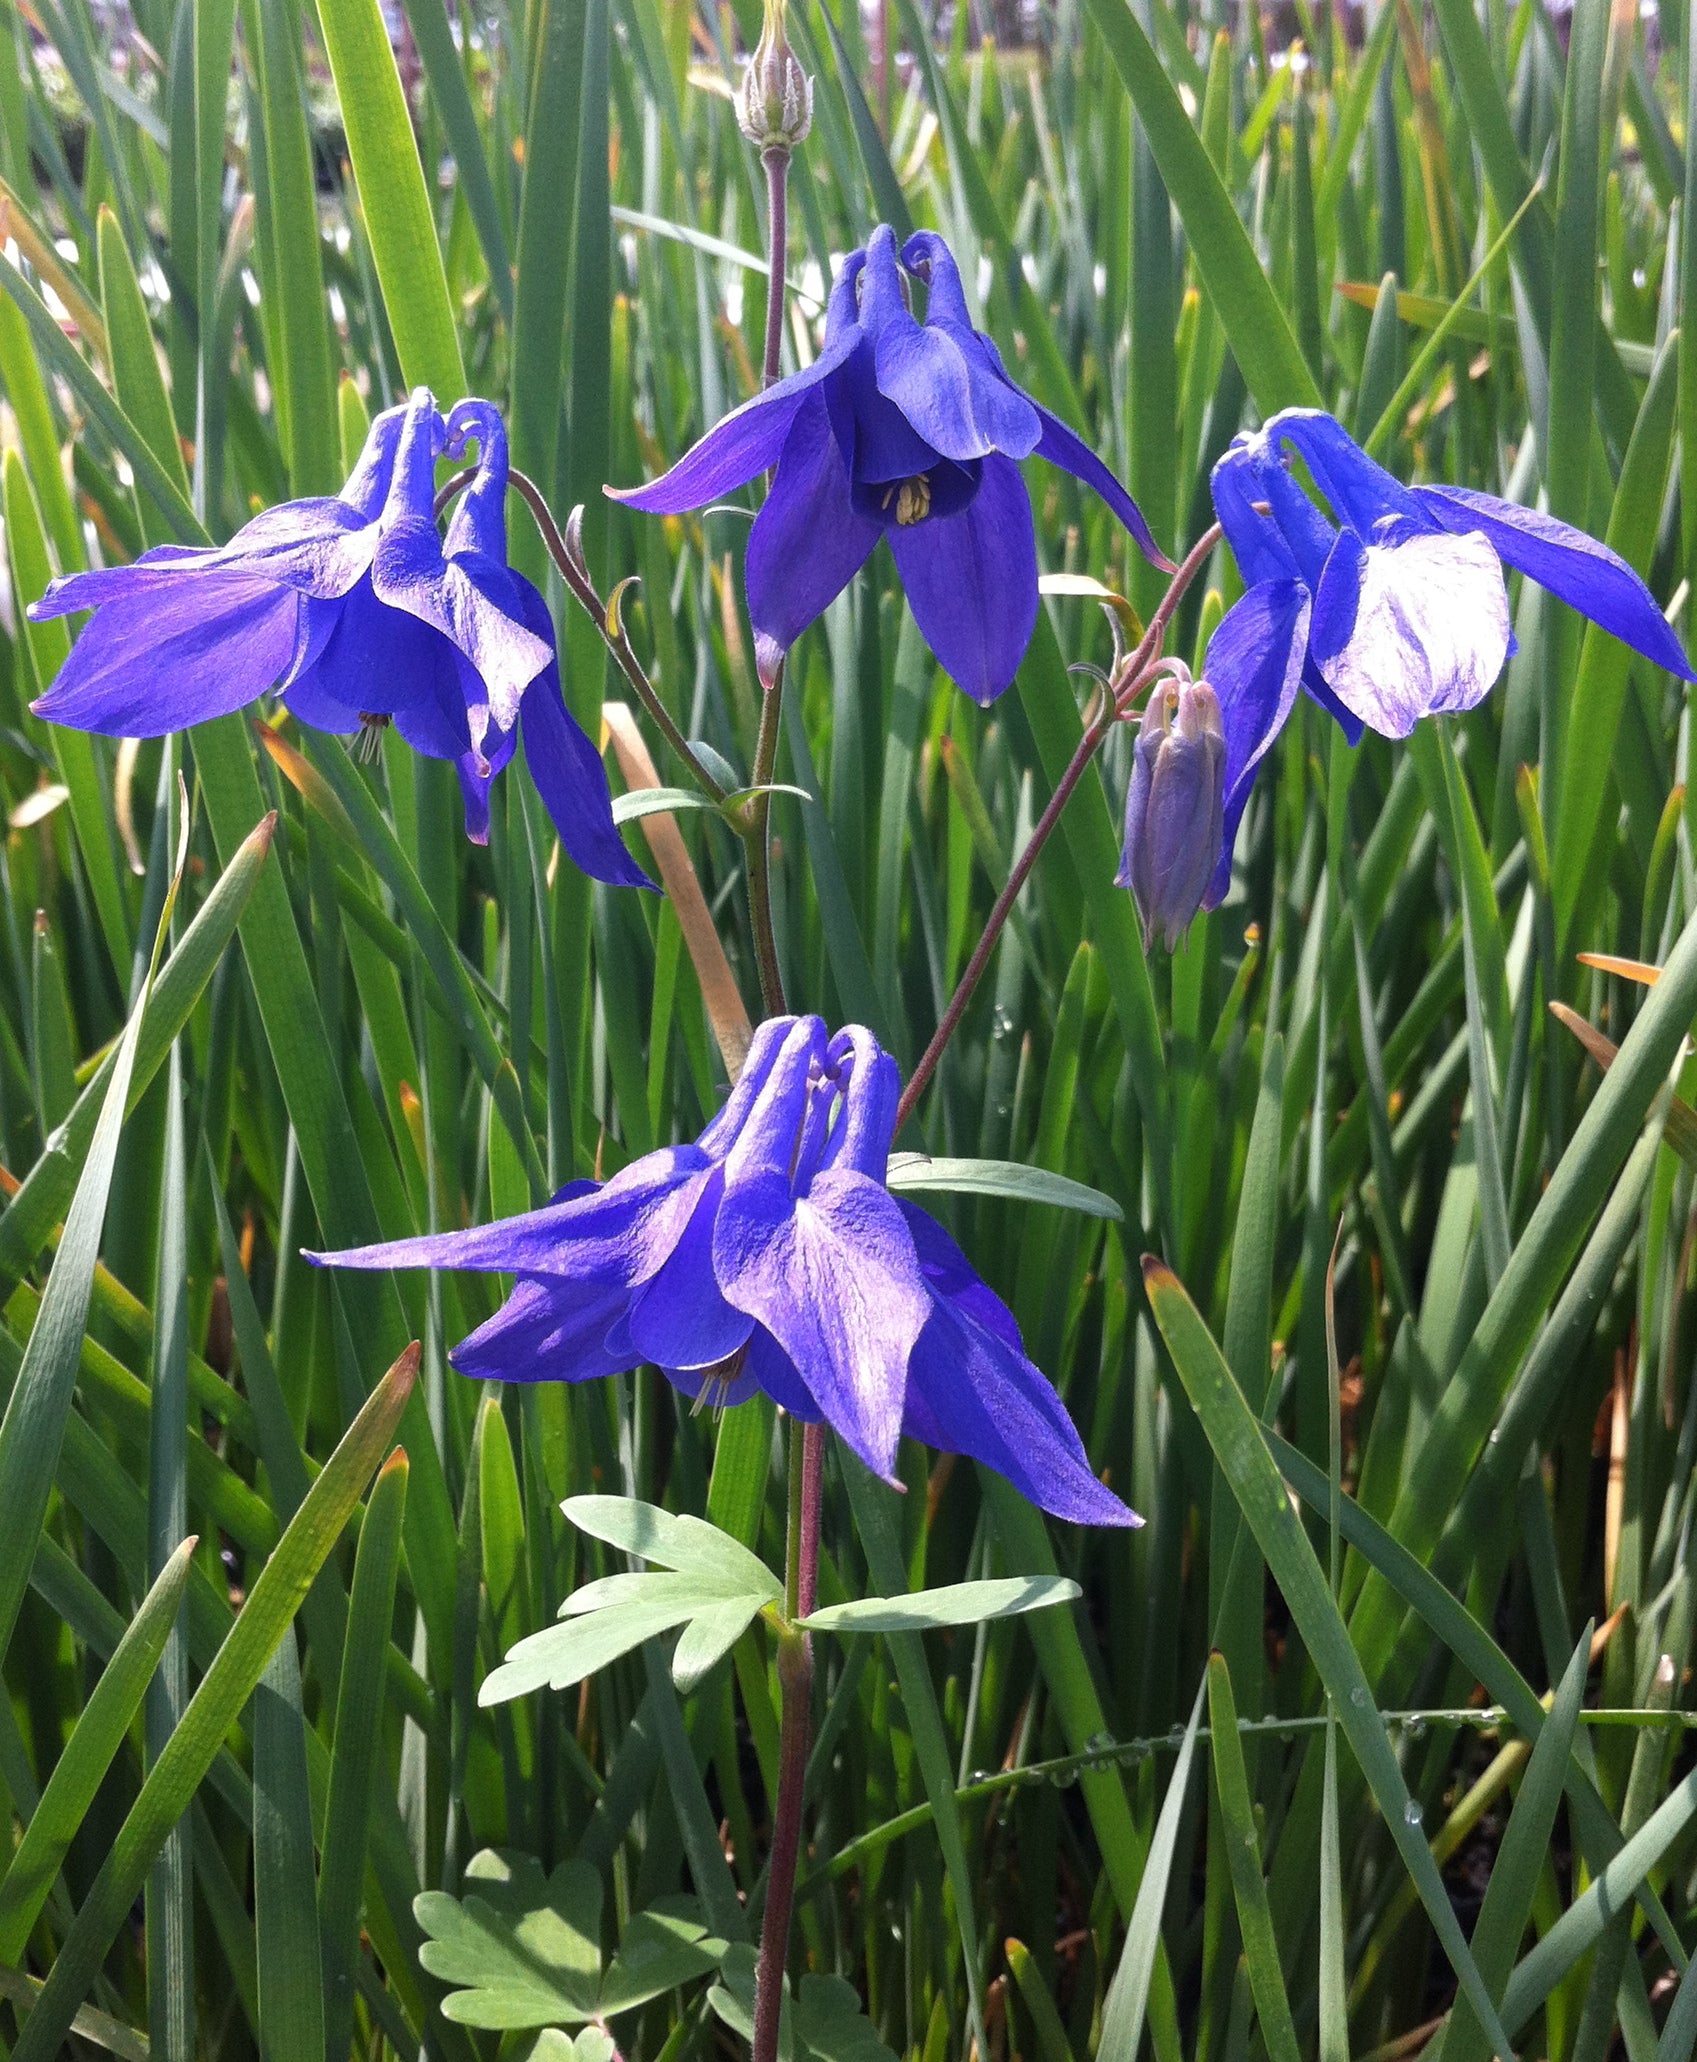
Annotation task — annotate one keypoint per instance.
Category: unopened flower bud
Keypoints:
(1174, 808)
(775, 103)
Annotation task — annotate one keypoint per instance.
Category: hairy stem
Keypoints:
(1132, 677)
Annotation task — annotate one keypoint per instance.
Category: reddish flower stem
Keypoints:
(1133, 677)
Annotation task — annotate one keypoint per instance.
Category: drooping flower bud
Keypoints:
(1174, 808)
(775, 102)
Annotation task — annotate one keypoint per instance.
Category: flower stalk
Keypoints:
(1133, 676)
(806, 1442)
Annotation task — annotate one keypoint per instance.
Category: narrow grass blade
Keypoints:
(40, 1201)
(34, 1425)
(1128, 1995)
(1241, 1451)
(1501, 1924)
(291, 1982)
(394, 198)
(1243, 1855)
(354, 1755)
(1260, 334)
(80, 1769)
(226, 1686)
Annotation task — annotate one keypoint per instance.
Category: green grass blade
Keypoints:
(170, 1886)
(1241, 1451)
(1243, 1855)
(40, 1201)
(304, 376)
(1260, 333)
(226, 1686)
(100, 1733)
(1501, 1924)
(394, 198)
(1599, 688)
(291, 1982)
(354, 1756)
(1128, 1994)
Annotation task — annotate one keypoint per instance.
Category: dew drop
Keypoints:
(1411, 1814)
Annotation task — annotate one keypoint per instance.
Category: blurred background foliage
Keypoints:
(234, 231)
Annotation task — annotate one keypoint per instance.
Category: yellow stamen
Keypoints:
(913, 500)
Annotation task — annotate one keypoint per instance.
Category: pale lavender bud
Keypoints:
(775, 102)
(1174, 808)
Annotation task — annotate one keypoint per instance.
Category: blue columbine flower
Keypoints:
(899, 429)
(771, 1255)
(1393, 608)
(358, 612)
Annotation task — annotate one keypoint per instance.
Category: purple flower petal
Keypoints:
(367, 487)
(1412, 627)
(766, 1047)
(807, 542)
(1576, 568)
(971, 582)
(680, 1319)
(832, 1276)
(472, 602)
(567, 769)
(547, 1331)
(971, 1389)
(1254, 665)
(880, 444)
(971, 1393)
(749, 439)
(939, 380)
(860, 1137)
(1360, 490)
(774, 1371)
(159, 662)
(1257, 542)
(771, 1124)
(321, 548)
(477, 777)
(378, 661)
(620, 1232)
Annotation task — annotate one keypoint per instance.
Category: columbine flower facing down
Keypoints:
(899, 429)
(1174, 806)
(359, 613)
(771, 1255)
(1391, 608)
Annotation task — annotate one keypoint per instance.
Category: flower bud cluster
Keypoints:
(775, 102)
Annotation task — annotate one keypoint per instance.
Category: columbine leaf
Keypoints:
(1020, 1184)
(523, 1950)
(662, 1947)
(960, 1603)
(684, 1543)
(708, 1583)
(824, 2024)
(709, 1635)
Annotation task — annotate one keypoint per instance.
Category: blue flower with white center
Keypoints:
(899, 429)
(1392, 608)
(771, 1255)
(358, 612)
